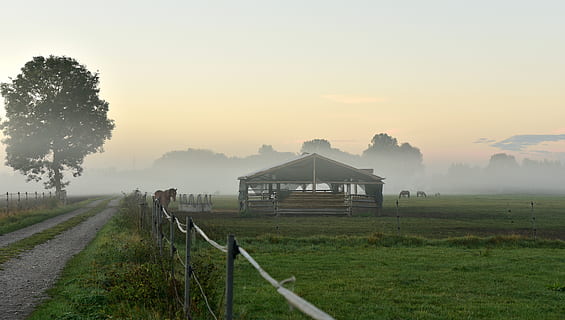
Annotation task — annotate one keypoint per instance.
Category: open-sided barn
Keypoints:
(311, 184)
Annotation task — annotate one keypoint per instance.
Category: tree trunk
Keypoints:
(57, 180)
(57, 175)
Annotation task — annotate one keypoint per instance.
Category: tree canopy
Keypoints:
(385, 151)
(54, 119)
(316, 146)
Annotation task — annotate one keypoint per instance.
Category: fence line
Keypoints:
(17, 201)
(231, 250)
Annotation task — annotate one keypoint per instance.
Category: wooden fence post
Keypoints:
(153, 232)
(397, 219)
(229, 277)
(188, 269)
(160, 228)
(172, 239)
(534, 231)
(7, 202)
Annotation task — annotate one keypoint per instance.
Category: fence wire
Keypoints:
(204, 295)
(301, 304)
(295, 300)
(210, 241)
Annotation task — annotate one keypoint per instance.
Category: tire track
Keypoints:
(24, 280)
(26, 232)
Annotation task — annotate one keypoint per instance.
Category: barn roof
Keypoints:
(309, 167)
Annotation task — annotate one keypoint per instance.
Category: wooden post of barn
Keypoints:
(314, 178)
(188, 269)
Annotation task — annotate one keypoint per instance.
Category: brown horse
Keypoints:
(164, 197)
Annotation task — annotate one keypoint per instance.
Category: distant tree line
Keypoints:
(503, 173)
(396, 162)
(384, 154)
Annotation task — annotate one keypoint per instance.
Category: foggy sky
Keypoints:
(230, 77)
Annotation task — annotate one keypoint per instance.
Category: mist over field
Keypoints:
(206, 171)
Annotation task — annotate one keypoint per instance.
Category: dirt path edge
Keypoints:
(25, 279)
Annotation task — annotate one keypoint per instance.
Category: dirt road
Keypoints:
(38, 227)
(24, 279)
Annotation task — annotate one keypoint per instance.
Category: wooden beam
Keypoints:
(249, 182)
(314, 176)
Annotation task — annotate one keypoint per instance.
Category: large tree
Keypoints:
(322, 146)
(384, 151)
(55, 118)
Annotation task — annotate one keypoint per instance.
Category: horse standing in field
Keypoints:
(421, 194)
(404, 193)
(164, 197)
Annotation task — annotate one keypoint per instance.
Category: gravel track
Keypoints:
(23, 233)
(24, 279)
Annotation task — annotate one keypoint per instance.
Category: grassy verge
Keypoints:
(21, 220)
(14, 249)
(118, 276)
(350, 274)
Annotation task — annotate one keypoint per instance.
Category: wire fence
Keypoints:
(19, 201)
(160, 217)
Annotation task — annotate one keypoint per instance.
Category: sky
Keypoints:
(461, 80)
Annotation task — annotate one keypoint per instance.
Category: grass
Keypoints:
(14, 249)
(117, 276)
(13, 222)
(456, 257)
(442, 217)
(425, 282)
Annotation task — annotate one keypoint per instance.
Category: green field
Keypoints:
(433, 217)
(456, 257)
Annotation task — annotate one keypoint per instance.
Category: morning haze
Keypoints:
(203, 93)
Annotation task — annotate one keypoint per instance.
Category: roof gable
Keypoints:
(306, 167)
